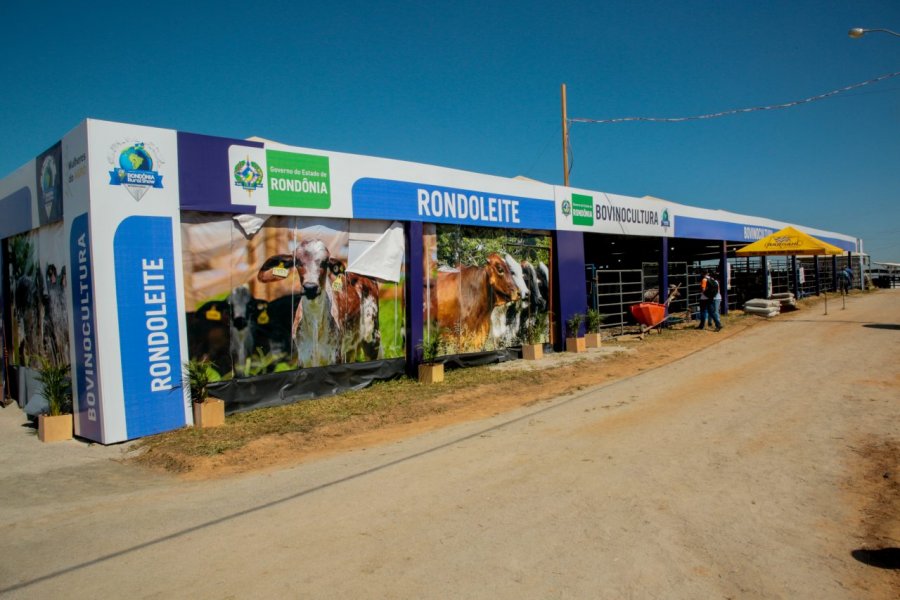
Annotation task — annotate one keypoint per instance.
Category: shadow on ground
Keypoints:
(883, 558)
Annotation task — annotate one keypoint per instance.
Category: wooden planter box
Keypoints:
(54, 429)
(532, 351)
(592, 340)
(575, 344)
(431, 373)
(209, 413)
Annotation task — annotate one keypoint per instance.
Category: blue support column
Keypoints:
(850, 264)
(415, 296)
(818, 276)
(795, 277)
(569, 293)
(834, 280)
(723, 277)
(663, 282)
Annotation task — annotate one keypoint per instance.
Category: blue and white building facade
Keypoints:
(112, 195)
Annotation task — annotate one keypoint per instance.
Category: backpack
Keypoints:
(712, 288)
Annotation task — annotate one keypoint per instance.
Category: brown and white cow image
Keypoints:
(506, 319)
(462, 300)
(533, 303)
(337, 316)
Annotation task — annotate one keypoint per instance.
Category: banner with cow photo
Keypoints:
(485, 289)
(275, 294)
(38, 284)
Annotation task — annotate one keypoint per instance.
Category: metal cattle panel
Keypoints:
(612, 292)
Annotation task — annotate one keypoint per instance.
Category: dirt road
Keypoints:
(751, 469)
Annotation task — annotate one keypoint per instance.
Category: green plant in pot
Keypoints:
(593, 323)
(432, 346)
(57, 425)
(197, 373)
(573, 324)
(208, 412)
(574, 343)
(535, 332)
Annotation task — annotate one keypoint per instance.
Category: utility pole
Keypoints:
(565, 138)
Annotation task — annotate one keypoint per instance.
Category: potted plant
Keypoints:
(208, 411)
(535, 331)
(430, 370)
(57, 425)
(574, 342)
(594, 320)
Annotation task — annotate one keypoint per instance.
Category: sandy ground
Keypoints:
(764, 464)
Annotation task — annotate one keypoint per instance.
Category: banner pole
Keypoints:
(565, 139)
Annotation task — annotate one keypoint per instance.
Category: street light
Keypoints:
(858, 32)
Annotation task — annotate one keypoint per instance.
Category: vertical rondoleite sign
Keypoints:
(86, 397)
(135, 253)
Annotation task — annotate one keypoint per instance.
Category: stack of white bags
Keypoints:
(787, 300)
(762, 307)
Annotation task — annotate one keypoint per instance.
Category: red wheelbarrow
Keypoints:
(652, 314)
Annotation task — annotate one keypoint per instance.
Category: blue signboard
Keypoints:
(148, 325)
(16, 211)
(87, 374)
(407, 201)
(707, 229)
(203, 173)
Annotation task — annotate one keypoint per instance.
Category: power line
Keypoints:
(728, 113)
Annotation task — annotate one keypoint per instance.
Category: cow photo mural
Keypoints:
(270, 294)
(38, 283)
(485, 288)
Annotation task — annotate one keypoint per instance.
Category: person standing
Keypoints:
(715, 290)
(711, 294)
(846, 279)
(704, 303)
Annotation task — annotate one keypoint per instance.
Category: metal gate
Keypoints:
(679, 275)
(612, 292)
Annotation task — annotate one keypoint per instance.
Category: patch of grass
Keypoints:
(396, 400)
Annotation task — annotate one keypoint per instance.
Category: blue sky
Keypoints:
(476, 86)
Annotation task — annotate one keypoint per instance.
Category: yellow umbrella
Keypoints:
(789, 242)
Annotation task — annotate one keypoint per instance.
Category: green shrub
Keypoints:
(536, 329)
(594, 320)
(198, 374)
(57, 386)
(432, 347)
(573, 324)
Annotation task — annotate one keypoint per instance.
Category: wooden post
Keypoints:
(565, 139)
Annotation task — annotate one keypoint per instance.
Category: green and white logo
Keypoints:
(582, 210)
(298, 180)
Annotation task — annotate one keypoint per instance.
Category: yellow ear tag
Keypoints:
(338, 283)
(263, 318)
(213, 315)
(280, 271)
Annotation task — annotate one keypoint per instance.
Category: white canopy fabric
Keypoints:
(384, 258)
